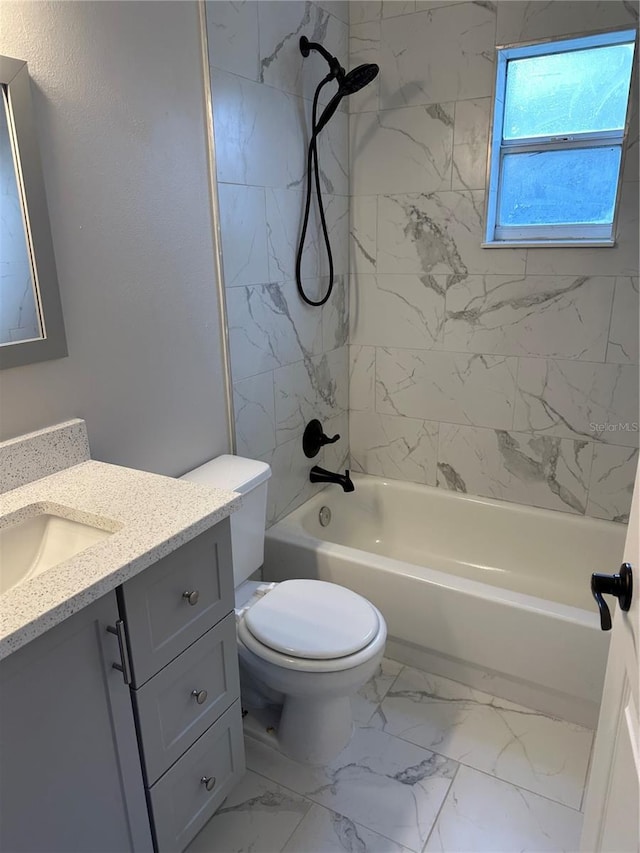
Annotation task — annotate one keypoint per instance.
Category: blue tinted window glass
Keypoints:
(564, 93)
(559, 187)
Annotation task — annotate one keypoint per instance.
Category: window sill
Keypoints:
(549, 244)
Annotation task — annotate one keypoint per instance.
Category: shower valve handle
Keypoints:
(314, 438)
(620, 586)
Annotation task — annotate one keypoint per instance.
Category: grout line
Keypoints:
(442, 804)
(588, 773)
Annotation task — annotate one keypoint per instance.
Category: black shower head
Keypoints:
(348, 84)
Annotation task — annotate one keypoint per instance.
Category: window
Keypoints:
(559, 124)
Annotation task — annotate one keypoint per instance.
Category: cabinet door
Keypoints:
(177, 600)
(70, 777)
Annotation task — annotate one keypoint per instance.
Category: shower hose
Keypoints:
(312, 166)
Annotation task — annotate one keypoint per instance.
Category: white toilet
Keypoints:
(304, 645)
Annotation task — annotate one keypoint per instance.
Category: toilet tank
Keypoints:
(250, 478)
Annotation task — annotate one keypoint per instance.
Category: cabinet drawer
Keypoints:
(161, 621)
(180, 802)
(170, 718)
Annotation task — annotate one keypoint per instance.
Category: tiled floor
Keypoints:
(432, 766)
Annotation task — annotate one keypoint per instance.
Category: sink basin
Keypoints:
(33, 545)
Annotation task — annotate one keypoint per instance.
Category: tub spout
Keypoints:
(321, 475)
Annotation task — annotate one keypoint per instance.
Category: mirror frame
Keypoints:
(14, 77)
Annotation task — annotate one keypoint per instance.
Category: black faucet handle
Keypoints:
(314, 438)
(619, 585)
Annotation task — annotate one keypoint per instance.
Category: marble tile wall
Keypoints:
(289, 361)
(509, 373)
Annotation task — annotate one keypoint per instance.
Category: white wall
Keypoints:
(480, 370)
(118, 93)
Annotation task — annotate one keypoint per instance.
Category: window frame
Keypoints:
(602, 235)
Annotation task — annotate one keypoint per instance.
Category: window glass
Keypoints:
(576, 185)
(565, 93)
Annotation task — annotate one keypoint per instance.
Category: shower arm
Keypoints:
(306, 46)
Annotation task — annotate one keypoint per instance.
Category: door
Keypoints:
(612, 805)
(70, 777)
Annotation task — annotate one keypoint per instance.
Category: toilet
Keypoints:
(305, 646)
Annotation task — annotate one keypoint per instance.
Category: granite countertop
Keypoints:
(149, 516)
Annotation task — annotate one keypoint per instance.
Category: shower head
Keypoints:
(348, 83)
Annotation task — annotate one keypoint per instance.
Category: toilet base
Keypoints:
(302, 730)
(314, 732)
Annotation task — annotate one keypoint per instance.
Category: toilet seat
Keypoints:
(313, 620)
(312, 626)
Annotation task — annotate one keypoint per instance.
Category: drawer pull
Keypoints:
(209, 782)
(192, 597)
(200, 696)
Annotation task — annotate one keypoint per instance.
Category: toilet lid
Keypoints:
(313, 619)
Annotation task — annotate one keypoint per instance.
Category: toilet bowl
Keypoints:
(304, 646)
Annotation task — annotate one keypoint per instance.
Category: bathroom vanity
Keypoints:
(120, 721)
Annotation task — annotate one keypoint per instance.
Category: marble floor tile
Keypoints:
(489, 816)
(367, 699)
(257, 816)
(329, 832)
(381, 782)
(544, 755)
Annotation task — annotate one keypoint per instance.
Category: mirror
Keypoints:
(31, 324)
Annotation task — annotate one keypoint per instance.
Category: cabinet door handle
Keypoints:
(124, 666)
(209, 782)
(200, 696)
(191, 596)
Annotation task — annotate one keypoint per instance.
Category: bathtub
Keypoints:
(493, 594)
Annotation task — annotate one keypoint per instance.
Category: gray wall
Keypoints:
(480, 370)
(289, 361)
(118, 94)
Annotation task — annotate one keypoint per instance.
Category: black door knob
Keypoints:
(621, 586)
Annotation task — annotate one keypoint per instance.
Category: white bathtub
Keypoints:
(490, 593)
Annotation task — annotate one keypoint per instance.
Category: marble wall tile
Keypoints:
(361, 11)
(484, 815)
(363, 247)
(339, 8)
(439, 233)
(333, 148)
(398, 448)
(444, 386)
(402, 150)
(269, 327)
(232, 31)
(613, 474)
(289, 486)
(281, 63)
(470, 141)
(364, 47)
(313, 388)
(537, 470)
(397, 310)
(624, 332)
(562, 316)
(523, 21)
(250, 122)
(335, 457)
(254, 407)
(391, 8)
(362, 369)
(444, 54)
(621, 260)
(576, 399)
(243, 227)
(285, 209)
(335, 314)
(336, 209)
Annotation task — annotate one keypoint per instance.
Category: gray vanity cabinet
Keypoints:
(70, 776)
(181, 635)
